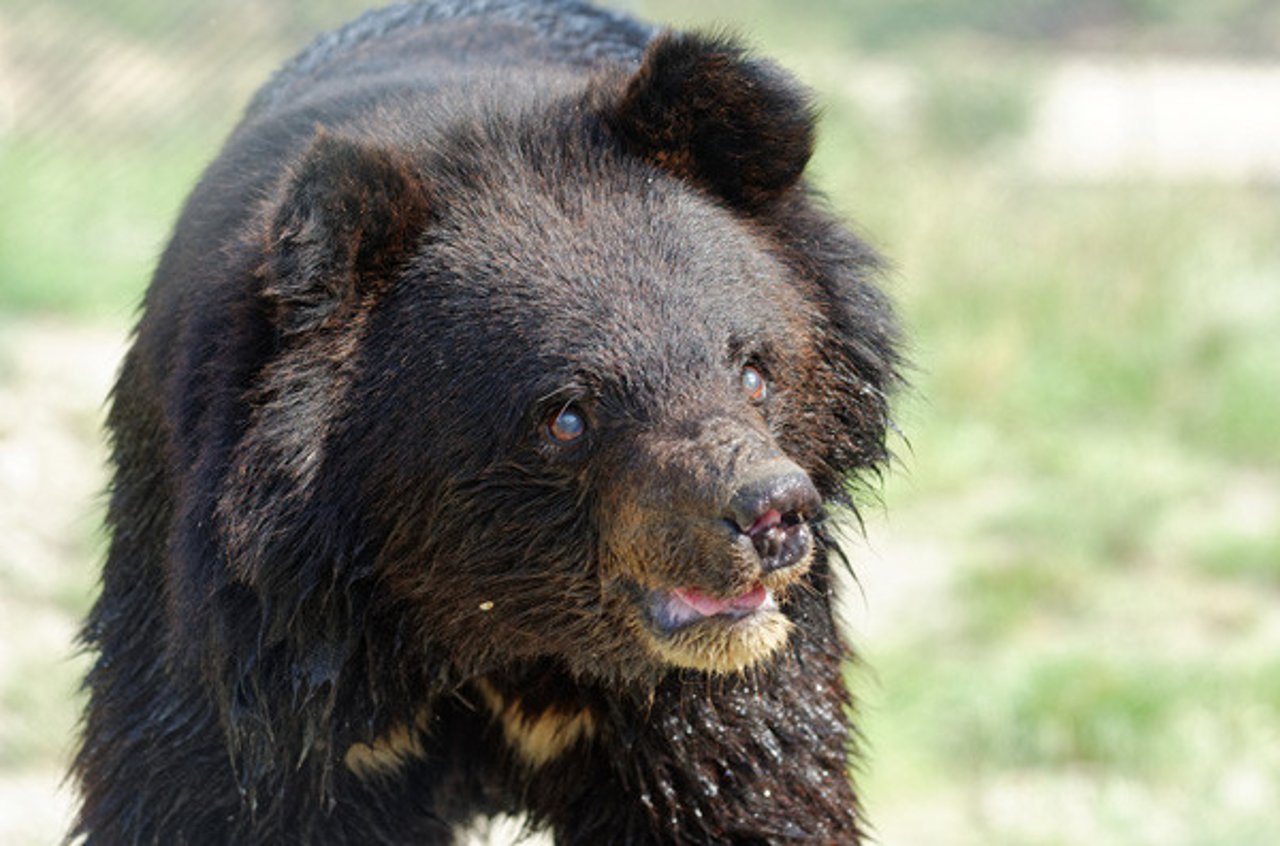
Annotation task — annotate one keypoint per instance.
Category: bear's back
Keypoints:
(457, 35)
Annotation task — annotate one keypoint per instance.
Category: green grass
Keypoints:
(41, 701)
(1092, 443)
(1252, 559)
(1092, 432)
(84, 221)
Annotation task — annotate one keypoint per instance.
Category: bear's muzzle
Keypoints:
(707, 535)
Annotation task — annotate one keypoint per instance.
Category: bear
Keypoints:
(477, 452)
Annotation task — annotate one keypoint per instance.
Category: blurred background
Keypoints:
(1069, 586)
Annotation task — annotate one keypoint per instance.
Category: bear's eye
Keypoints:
(567, 425)
(753, 384)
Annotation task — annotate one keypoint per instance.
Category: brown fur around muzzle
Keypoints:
(708, 532)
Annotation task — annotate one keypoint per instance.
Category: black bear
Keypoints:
(477, 449)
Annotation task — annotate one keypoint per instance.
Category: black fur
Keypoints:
(705, 111)
(338, 523)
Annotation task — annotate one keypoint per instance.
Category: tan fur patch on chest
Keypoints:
(538, 737)
(387, 754)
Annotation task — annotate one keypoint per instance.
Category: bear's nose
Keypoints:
(772, 508)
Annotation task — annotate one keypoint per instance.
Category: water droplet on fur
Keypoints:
(767, 793)
(769, 743)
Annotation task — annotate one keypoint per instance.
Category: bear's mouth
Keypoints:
(725, 629)
(671, 611)
(691, 628)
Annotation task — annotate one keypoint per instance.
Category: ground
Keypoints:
(53, 379)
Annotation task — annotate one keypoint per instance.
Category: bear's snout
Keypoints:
(709, 530)
(772, 508)
(719, 511)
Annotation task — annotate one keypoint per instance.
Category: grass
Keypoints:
(1093, 451)
(1253, 560)
(1093, 464)
(87, 220)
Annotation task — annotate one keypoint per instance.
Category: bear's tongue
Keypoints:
(709, 606)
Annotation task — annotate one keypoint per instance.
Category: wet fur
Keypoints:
(350, 597)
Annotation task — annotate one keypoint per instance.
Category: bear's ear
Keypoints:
(349, 214)
(700, 108)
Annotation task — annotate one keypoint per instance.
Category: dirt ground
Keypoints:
(53, 378)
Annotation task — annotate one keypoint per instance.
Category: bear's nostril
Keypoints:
(773, 533)
(765, 523)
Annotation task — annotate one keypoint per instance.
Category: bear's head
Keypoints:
(578, 381)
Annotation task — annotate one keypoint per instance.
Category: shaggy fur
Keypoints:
(362, 586)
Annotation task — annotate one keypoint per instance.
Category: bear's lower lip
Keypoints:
(676, 609)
